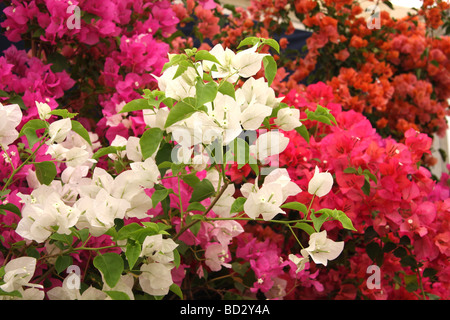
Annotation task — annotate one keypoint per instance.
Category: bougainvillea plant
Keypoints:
(129, 225)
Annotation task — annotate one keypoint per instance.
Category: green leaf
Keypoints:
(17, 100)
(182, 67)
(150, 141)
(180, 111)
(205, 55)
(32, 252)
(366, 188)
(350, 170)
(105, 151)
(34, 124)
(251, 41)
(177, 290)
(111, 266)
(14, 293)
(143, 233)
(409, 261)
(238, 205)
(240, 268)
(195, 228)
(65, 238)
(45, 171)
(206, 92)
(78, 128)
(62, 263)
(389, 246)
(241, 151)
(375, 252)
(318, 220)
(82, 234)
(389, 4)
(117, 295)
(132, 253)
(195, 206)
(273, 44)
(202, 190)
(270, 68)
(227, 88)
(138, 104)
(158, 196)
(63, 113)
(429, 272)
(29, 130)
(303, 131)
(127, 230)
(295, 206)
(9, 207)
(174, 60)
(191, 179)
(176, 258)
(370, 175)
(58, 62)
(321, 114)
(343, 219)
(305, 227)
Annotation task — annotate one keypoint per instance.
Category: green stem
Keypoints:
(310, 204)
(181, 202)
(15, 171)
(295, 236)
(258, 219)
(213, 203)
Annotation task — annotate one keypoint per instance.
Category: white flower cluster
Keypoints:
(83, 202)
(225, 117)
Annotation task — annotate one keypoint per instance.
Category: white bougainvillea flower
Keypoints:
(181, 87)
(321, 183)
(269, 144)
(225, 69)
(321, 249)
(156, 278)
(288, 119)
(156, 118)
(223, 206)
(265, 201)
(280, 176)
(77, 156)
(133, 149)
(199, 128)
(58, 130)
(226, 113)
(65, 292)
(300, 262)
(157, 249)
(257, 91)
(43, 110)
(10, 118)
(18, 273)
(98, 213)
(146, 173)
(253, 115)
(248, 62)
(44, 213)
